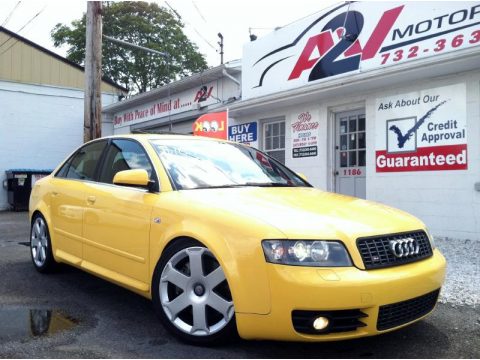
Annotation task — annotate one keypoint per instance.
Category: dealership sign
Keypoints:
(213, 125)
(304, 136)
(356, 37)
(423, 130)
(243, 133)
(181, 102)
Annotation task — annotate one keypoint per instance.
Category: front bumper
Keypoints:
(320, 289)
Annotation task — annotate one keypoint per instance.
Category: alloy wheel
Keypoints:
(39, 242)
(194, 293)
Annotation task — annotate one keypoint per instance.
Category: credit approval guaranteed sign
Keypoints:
(356, 37)
(422, 131)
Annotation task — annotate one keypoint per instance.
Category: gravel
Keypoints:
(463, 271)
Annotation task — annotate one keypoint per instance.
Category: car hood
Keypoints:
(308, 213)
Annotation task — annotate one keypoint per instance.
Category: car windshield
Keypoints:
(201, 164)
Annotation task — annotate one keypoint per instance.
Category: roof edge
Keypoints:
(154, 93)
(56, 56)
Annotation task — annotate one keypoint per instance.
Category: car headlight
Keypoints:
(306, 252)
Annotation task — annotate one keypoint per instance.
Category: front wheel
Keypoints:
(191, 294)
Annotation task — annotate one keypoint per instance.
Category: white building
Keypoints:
(380, 100)
(174, 107)
(41, 106)
(387, 110)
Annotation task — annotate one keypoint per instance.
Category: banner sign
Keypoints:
(422, 131)
(356, 37)
(181, 102)
(305, 132)
(243, 133)
(212, 125)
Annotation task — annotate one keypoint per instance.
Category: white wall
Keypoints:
(445, 200)
(39, 126)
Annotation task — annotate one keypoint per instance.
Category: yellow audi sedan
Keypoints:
(223, 239)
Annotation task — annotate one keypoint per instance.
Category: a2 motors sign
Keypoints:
(422, 131)
(354, 37)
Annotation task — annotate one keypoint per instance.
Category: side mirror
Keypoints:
(302, 176)
(135, 177)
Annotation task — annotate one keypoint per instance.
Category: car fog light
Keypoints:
(320, 323)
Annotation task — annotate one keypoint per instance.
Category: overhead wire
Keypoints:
(189, 24)
(23, 27)
(198, 11)
(11, 13)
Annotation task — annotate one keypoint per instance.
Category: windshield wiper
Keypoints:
(268, 184)
(226, 186)
(259, 184)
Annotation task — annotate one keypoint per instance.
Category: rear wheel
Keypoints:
(41, 246)
(191, 294)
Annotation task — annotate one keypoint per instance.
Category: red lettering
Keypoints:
(355, 49)
(323, 42)
(380, 33)
(203, 95)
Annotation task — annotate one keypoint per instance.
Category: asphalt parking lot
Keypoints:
(71, 314)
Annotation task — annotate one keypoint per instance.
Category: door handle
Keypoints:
(54, 193)
(91, 199)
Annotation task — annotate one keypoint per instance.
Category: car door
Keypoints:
(68, 200)
(118, 218)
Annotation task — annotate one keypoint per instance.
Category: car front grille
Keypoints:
(376, 250)
(339, 321)
(403, 312)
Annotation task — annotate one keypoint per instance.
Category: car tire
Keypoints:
(191, 295)
(41, 245)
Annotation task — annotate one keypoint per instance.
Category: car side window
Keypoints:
(63, 170)
(124, 155)
(84, 162)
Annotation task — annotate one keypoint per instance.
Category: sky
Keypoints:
(203, 20)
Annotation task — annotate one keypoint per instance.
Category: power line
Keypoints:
(11, 13)
(193, 27)
(201, 36)
(23, 27)
(198, 11)
(33, 18)
(174, 11)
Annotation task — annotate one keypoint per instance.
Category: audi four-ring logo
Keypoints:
(404, 247)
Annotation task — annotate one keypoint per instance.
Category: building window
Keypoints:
(274, 139)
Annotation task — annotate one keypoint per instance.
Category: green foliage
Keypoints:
(144, 24)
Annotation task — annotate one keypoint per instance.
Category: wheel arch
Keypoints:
(246, 274)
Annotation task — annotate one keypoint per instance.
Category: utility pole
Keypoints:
(92, 121)
(221, 47)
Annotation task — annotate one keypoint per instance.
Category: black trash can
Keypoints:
(19, 186)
